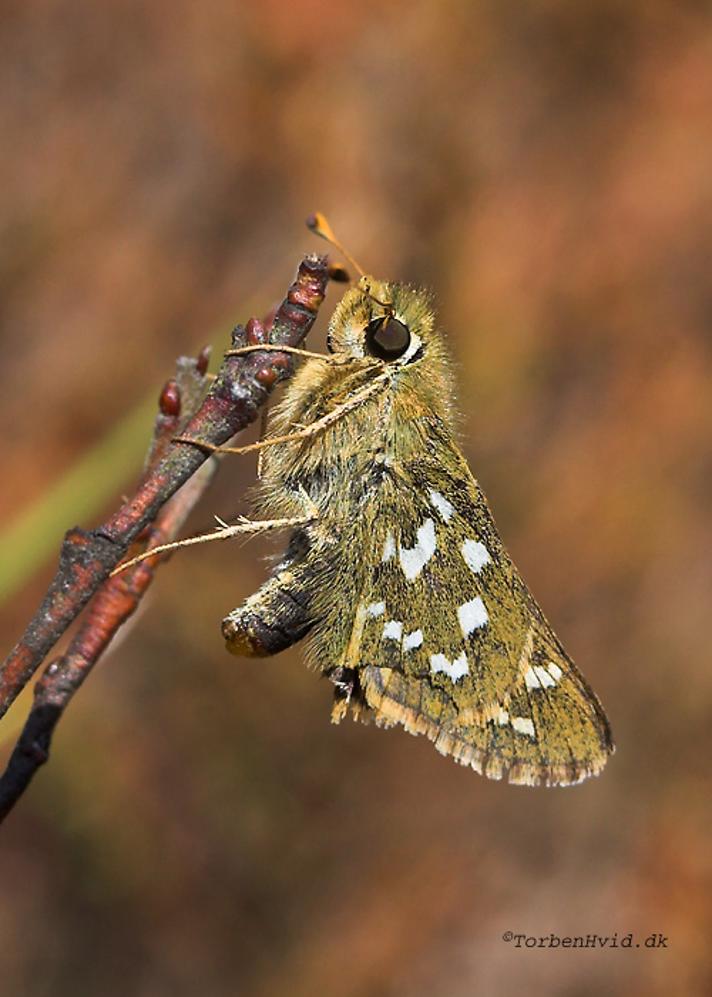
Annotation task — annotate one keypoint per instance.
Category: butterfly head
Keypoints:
(388, 322)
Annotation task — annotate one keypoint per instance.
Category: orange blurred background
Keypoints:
(546, 167)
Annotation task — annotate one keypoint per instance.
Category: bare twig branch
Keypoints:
(116, 599)
(87, 557)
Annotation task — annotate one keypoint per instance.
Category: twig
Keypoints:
(87, 557)
(116, 599)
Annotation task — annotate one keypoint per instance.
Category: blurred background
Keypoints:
(545, 167)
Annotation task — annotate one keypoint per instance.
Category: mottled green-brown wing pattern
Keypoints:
(447, 640)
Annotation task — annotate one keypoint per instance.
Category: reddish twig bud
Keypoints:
(169, 401)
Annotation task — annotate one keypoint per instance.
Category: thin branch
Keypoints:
(174, 478)
(233, 401)
(116, 599)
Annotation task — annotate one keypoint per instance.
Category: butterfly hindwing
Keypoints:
(546, 738)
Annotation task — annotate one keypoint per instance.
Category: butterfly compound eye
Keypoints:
(387, 338)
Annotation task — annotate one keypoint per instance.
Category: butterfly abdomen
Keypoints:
(280, 613)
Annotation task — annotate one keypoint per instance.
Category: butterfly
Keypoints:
(395, 572)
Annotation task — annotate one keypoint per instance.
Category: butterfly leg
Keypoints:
(224, 531)
(280, 348)
(263, 434)
(305, 432)
(347, 694)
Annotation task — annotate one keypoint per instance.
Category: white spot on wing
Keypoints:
(532, 679)
(442, 505)
(502, 718)
(546, 680)
(389, 548)
(414, 559)
(555, 671)
(539, 678)
(523, 725)
(413, 640)
(455, 669)
(376, 609)
(392, 630)
(472, 615)
(476, 555)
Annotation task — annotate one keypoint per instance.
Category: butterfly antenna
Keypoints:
(320, 226)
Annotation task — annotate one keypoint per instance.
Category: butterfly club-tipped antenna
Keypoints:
(319, 225)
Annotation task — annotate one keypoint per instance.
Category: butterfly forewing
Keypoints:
(448, 641)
